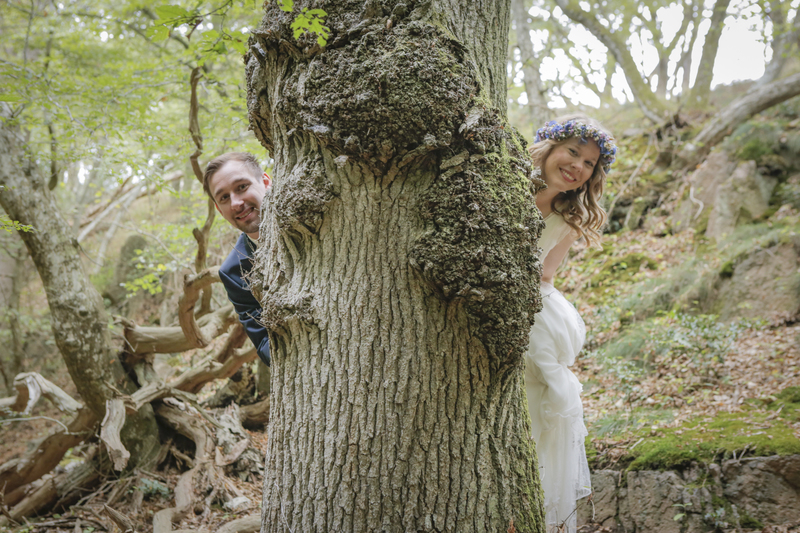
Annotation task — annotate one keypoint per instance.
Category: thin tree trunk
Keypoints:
(79, 320)
(121, 208)
(698, 96)
(537, 102)
(784, 36)
(399, 274)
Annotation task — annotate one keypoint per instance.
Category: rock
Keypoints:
(722, 194)
(634, 217)
(744, 196)
(698, 499)
(766, 488)
(704, 183)
(604, 506)
(764, 284)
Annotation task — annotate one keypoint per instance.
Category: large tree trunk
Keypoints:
(400, 278)
(80, 323)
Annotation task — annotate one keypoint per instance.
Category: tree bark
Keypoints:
(741, 109)
(399, 273)
(80, 323)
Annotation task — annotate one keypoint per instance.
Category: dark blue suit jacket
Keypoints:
(237, 265)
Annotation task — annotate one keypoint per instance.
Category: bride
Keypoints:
(572, 155)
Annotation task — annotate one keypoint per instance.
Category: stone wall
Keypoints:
(738, 495)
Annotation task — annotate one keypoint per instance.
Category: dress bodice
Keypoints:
(555, 229)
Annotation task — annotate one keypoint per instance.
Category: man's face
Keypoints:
(238, 194)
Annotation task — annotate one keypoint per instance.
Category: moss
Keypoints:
(726, 270)
(748, 522)
(621, 270)
(698, 440)
(790, 395)
(481, 231)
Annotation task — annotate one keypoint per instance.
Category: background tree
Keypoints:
(398, 269)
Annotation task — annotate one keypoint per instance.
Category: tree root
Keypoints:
(204, 473)
(255, 416)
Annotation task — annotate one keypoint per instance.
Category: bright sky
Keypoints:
(742, 53)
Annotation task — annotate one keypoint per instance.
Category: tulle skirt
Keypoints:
(555, 407)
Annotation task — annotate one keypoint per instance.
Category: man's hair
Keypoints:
(213, 166)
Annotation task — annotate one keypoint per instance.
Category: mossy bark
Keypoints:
(399, 270)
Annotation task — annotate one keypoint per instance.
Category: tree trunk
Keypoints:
(741, 109)
(80, 323)
(399, 273)
(698, 96)
(538, 111)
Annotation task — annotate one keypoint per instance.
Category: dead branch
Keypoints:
(122, 190)
(122, 521)
(255, 415)
(46, 456)
(247, 524)
(109, 433)
(203, 473)
(192, 285)
(56, 491)
(146, 339)
(31, 387)
(221, 365)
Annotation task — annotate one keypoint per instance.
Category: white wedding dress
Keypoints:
(554, 399)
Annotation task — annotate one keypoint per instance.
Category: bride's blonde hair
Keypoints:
(580, 208)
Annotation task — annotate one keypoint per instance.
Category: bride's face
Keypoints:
(570, 164)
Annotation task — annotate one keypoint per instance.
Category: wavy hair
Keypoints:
(580, 208)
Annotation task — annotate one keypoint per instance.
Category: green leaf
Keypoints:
(239, 46)
(10, 98)
(170, 12)
(286, 5)
(157, 33)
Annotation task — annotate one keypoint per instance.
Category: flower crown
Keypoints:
(575, 128)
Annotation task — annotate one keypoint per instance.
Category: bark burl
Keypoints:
(399, 271)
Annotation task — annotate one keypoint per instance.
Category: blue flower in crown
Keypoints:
(574, 128)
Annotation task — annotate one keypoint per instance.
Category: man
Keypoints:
(237, 185)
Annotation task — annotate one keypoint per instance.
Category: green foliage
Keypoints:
(152, 488)
(11, 225)
(307, 21)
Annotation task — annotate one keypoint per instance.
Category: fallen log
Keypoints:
(57, 491)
